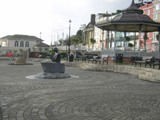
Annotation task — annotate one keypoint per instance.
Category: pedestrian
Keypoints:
(10, 55)
(71, 57)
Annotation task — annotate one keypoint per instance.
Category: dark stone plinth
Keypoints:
(50, 67)
(51, 70)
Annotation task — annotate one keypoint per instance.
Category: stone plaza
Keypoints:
(87, 95)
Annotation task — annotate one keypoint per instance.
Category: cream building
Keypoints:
(21, 42)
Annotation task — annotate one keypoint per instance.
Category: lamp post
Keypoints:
(40, 42)
(69, 42)
(102, 40)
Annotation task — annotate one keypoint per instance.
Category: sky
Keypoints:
(49, 19)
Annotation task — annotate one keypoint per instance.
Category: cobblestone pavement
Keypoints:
(91, 96)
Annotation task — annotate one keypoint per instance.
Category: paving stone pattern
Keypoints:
(91, 96)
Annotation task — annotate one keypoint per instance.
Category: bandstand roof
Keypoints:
(131, 19)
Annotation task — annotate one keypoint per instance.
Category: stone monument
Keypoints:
(21, 58)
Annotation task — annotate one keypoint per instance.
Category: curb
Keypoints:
(148, 74)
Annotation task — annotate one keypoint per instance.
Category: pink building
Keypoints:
(148, 10)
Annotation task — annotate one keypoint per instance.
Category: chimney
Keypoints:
(93, 16)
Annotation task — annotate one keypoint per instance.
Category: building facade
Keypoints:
(148, 10)
(88, 33)
(112, 39)
(21, 42)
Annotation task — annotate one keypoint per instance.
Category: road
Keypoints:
(87, 95)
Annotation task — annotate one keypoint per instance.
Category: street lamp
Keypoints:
(40, 42)
(40, 35)
(69, 42)
(102, 40)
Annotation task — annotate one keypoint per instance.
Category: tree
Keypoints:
(93, 41)
(75, 40)
(66, 41)
(61, 41)
(128, 38)
(79, 33)
(130, 45)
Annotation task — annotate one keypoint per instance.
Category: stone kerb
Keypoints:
(142, 73)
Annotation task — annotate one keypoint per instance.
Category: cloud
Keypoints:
(34, 16)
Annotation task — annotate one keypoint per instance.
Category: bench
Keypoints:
(146, 60)
(156, 62)
(82, 58)
(98, 59)
(101, 59)
(135, 58)
(93, 59)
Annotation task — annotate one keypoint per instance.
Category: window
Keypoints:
(155, 16)
(148, 12)
(27, 44)
(21, 44)
(157, 7)
(4, 44)
(46, 49)
(154, 36)
(40, 49)
(16, 44)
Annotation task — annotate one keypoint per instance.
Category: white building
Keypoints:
(21, 42)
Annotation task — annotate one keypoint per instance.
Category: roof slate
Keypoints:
(19, 37)
(42, 45)
(131, 19)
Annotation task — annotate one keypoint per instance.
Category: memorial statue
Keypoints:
(56, 57)
(54, 69)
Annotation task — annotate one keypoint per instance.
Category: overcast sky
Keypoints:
(51, 17)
